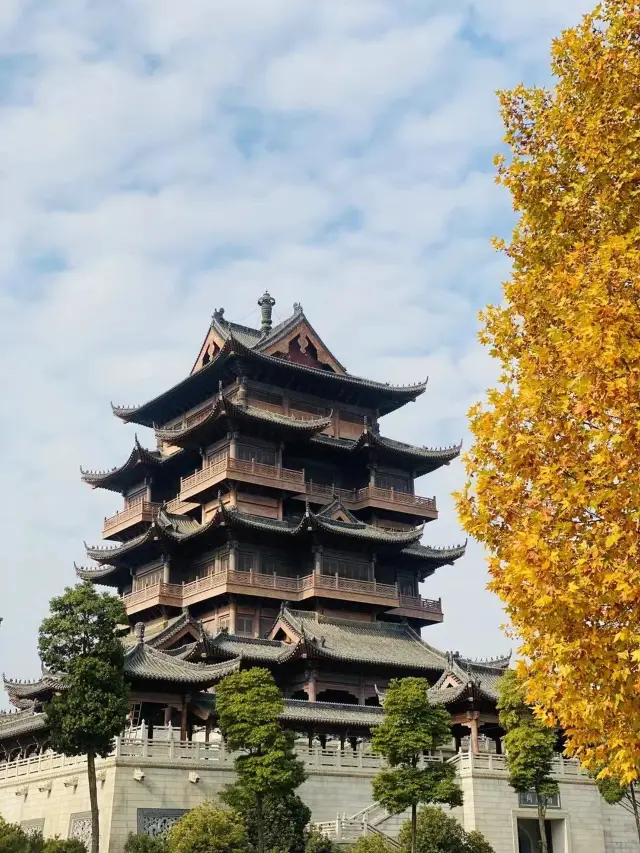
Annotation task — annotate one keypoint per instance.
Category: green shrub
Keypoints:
(208, 829)
(373, 844)
(438, 832)
(145, 844)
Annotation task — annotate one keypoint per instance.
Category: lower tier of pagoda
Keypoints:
(295, 589)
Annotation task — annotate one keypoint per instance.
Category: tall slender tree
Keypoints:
(554, 479)
(411, 727)
(248, 706)
(80, 641)
(530, 748)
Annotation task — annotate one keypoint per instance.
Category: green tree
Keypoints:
(530, 747)
(373, 844)
(80, 641)
(248, 706)
(316, 842)
(63, 845)
(145, 844)
(207, 829)
(13, 839)
(410, 728)
(438, 832)
(616, 793)
(285, 820)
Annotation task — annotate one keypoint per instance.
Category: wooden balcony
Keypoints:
(374, 496)
(136, 516)
(201, 483)
(283, 588)
(179, 507)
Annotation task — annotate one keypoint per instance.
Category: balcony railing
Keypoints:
(139, 512)
(295, 589)
(212, 474)
(363, 497)
(294, 480)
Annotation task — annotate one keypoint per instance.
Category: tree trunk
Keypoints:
(93, 798)
(414, 826)
(542, 811)
(259, 824)
(634, 804)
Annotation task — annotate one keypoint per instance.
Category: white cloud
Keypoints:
(160, 159)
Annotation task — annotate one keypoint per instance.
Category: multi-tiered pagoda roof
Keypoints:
(274, 524)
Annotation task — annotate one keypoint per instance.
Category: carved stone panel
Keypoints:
(80, 827)
(157, 822)
(31, 827)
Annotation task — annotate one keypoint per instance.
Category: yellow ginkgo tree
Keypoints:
(553, 487)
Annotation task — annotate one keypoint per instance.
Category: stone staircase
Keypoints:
(374, 820)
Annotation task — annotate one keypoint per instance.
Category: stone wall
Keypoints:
(145, 793)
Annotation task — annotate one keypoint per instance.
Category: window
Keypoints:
(305, 410)
(345, 568)
(244, 625)
(407, 587)
(224, 563)
(217, 456)
(261, 455)
(246, 561)
(147, 580)
(136, 496)
(393, 481)
(530, 800)
(223, 623)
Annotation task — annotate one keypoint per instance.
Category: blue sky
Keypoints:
(162, 159)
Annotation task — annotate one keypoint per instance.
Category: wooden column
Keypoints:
(184, 712)
(312, 686)
(258, 618)
(372, 475)
(317, 560)
(233, 445)
(361, 692)
(167, 715)
(166, 568)
(472, 725)
(233, 612)
(233, 556)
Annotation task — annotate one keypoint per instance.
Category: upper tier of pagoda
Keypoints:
(290, 355)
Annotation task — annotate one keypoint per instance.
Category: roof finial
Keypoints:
(139, 632)
(266, 303)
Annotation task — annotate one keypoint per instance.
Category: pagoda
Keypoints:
(273, 524)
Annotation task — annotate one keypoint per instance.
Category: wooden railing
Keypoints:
(369, 493)
(298, 588)
(419, 603)
(240, 466)
(136, 511)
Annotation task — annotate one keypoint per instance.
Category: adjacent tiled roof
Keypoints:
(198, 386)
(320, 522)
(328, 713)
(45, 685)
(21, 722)
(321, 713)
(103, 554)
(222, 407)
(249, 649)
(391, 643)
(142, 661)
(468, 678)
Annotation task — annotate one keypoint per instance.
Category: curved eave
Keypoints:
(367, 532)
(201, 384)
(422, 460)
(224, 408)
(139, 457)
(435, 556)
(104, 555)
(103, 575)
